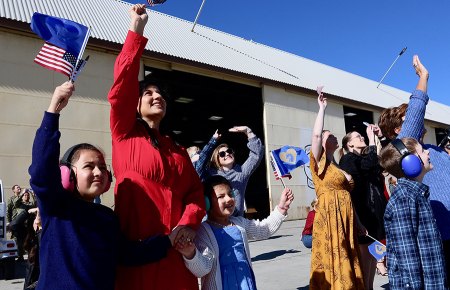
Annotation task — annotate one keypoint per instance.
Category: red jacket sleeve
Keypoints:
(124, 93)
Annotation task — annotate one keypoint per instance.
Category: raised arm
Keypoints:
(201, 166)
(44, 170)
(370, 161)
(413, 124)
(258, 230)
(124, 93)
(316, 140)
(256, 149)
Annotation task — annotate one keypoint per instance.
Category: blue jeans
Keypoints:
(307, 241)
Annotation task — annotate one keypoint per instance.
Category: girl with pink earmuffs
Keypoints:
(81, 242)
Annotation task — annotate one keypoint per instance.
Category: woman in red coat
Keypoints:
(157, 188)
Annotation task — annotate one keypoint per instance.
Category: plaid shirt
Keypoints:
(414, 246)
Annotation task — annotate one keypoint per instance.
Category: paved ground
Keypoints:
(281, 263)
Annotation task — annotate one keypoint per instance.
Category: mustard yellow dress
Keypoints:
(335, 253)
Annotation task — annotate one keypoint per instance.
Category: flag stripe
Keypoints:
(53, 67)
(57, 62)
(55, 58)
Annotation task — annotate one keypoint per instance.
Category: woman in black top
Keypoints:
(361, 161)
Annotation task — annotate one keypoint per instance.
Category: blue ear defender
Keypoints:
(207, 203)
(234, 192)
(411, 164)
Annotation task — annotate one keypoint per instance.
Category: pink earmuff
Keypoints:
(66, 178)
(67, 174)
(68, 182)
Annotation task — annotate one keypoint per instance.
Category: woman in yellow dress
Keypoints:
(335, 256)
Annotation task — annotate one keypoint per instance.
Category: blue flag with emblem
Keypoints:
(60, 32)
(378, 250)
(287, 158)
(65, 41)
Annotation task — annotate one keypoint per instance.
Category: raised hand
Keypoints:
(61, 97)
(370, 134)
(322, 101)
(216, 135)
(243, 129)
(420, 69)
(139, 18)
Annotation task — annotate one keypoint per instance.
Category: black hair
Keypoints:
(73, 153)
(210, 182)
(163, 92)
(152, 82)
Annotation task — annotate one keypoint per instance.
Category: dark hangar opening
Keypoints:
(199, 105)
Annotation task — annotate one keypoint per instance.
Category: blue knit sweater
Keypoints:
(438, 179)
(81, 242)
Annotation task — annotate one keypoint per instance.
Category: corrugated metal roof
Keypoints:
(172, 36)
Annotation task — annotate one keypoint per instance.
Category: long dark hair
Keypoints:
(31, 243)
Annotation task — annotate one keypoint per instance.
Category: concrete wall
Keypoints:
(289, 118)
(25, 92)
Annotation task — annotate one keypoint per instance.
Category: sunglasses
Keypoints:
(447, 146)
(224, 153)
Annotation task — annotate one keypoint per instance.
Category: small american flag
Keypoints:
(154, 2)
(57, 59)
(274, 169)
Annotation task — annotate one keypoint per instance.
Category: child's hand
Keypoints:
(187, 249)
(60, 97)
(285, 201)
(173, 235)
(185, 234)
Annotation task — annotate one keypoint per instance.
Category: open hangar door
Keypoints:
(354, 119)
(199, 105)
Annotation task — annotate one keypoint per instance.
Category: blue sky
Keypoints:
(361, 37)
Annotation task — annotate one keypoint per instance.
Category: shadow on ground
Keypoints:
(272, 238)
(273, 255)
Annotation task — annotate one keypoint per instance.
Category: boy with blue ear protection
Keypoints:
(414, 244)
